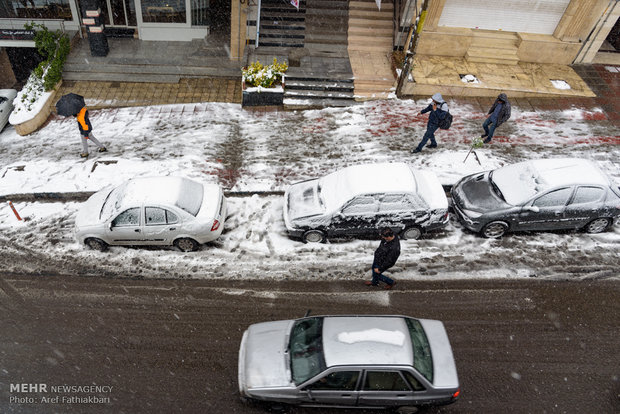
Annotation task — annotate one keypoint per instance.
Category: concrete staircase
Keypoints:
(320, 74)
(281, 24)
(369, 46)
(493, 47)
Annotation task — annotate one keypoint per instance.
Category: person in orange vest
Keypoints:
(86, 131)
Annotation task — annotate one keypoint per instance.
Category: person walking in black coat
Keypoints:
(385, 257)
(438, 111)
(497, 115)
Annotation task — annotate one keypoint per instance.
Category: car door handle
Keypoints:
(172, 228)
(137, 230)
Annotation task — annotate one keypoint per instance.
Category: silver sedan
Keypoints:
(349, 361)
(153, 211)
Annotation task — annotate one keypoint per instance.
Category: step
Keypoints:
(120, 77)
(370, 48)
(323, 48)
(275, 43)
(360, 22)
(370, 31)
(145, 69)
(328, 4)
(326, 13)
(326, 38)
(292, 103)
(327, 85)
(370, 6)
(493, 42)
(280, 35)
(492, 53)
(371, 15)
(370, 40)
(299, 74)
(318, 94)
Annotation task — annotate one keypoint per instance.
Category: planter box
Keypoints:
(39, 116)
(263, 96)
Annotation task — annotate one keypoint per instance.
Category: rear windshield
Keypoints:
(422, 358)
(306, 349)
(190, 196)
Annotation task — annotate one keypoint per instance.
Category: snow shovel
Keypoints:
(476, 143)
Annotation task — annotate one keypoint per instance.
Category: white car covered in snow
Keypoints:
(361, 199)
(6, 105)
(153, 211)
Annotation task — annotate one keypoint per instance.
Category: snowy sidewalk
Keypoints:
(265, 151)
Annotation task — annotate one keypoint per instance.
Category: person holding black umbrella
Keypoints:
(73, 104)
(86, 131)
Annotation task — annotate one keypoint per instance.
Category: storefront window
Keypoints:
(35, 9)
(163, 11)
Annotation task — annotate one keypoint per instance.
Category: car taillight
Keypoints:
(216, 225)
(457, 393)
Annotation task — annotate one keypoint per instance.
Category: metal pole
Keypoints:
(257, 25)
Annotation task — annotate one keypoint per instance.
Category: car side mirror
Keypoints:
(110, 226)
(534, 209)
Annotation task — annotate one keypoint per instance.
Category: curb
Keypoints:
(83, 195)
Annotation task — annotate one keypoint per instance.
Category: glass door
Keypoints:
(122, 13)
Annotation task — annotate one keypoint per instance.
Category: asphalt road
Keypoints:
(170, 346)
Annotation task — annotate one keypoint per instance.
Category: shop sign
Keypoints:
(16, 34)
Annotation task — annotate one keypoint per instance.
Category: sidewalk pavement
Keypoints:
(602, 80)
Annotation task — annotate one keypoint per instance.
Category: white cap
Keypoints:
(437, 97)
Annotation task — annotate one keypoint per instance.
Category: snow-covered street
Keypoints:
(254, 152)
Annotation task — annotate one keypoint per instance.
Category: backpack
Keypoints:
(446, 122)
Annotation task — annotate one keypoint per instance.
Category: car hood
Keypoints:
(444, 367)
(476, 193)
(302, 200)
(89, 213)
(266, 362)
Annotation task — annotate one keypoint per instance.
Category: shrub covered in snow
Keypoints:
(264, 76)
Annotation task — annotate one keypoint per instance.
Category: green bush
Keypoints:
(265, 76)
(54, 47)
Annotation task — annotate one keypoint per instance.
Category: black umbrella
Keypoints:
(70, 104)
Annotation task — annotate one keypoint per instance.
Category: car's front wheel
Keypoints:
(186, 244)
(313, 236)
(494, 230)
(411, 233)
(96, 244)
(598, 225)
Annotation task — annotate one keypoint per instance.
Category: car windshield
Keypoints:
(183, 193)
(306, 349)
(495, 187)
(422, 358)
(112, 203)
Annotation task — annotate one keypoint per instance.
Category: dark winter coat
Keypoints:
(504, 114)
(436, 115)
(84, 122)
(386, 254)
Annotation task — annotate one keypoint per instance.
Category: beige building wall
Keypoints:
(238, 21)
(580, 17)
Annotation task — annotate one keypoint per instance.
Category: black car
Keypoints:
(360, 199)
(550, 194)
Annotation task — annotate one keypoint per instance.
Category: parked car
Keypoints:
(349, 361)
(358, 200)
(551, 194)
(153, 211)
(6, 105)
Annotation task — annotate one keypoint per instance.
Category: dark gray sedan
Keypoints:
(552, 194)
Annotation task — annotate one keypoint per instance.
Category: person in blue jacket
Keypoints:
(385, 257)
(497, 115)
(438, 110)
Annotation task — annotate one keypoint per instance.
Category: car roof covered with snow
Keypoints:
(339, 187)
(179, 191)
(368, 340)
(521, 181)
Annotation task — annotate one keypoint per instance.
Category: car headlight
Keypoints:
(471, 213)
